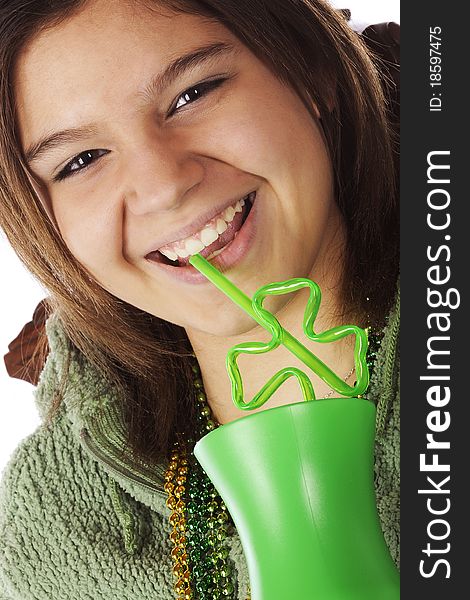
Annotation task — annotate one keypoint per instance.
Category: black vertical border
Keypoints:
(423, 131)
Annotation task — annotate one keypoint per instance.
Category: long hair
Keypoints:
(309, 46)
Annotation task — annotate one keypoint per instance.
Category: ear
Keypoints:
(316, 111)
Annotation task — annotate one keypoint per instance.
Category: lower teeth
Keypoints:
(216, 252)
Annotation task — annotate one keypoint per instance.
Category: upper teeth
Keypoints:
(206, 236)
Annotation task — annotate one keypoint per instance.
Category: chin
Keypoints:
(225, 324)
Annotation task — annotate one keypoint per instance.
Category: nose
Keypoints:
(159, 176)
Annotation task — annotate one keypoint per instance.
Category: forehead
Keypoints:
(107, 48)
(101, 26)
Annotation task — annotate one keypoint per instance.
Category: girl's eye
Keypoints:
(196, 92)
(80, 163)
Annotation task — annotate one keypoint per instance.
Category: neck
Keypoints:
(211, 350)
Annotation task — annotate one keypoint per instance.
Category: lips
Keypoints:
(211, 240)
(231, 254)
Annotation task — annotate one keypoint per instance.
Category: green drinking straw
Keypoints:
(254, 307)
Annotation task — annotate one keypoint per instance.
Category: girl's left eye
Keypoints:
(195, 92)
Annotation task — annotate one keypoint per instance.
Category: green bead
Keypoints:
(199, 572)
(193, 494)
(206, 484)
(227, 589)
(210, 425)
(202, 589)
(204, 544)
(192, 526)
(215, 578)
(221, 535)
(203, 527)
(191, 507)
(195, 555)
(225, 571)
(203, 497)
(206, 412)
(222, 552)
(222, 518)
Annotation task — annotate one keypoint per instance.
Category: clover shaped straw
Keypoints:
(254, 307)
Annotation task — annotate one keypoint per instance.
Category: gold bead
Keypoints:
(186, 576)
(179, 491)
(174, 537)
(169, 487)
(175, 553)
(171, 502)
(169, 476)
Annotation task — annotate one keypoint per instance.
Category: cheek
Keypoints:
(93, 235)
(267, 138)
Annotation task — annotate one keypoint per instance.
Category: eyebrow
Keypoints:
(158, 83)
(184, 63)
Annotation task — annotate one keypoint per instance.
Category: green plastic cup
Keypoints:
(298, 482)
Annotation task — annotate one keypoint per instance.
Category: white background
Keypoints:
(20, 293)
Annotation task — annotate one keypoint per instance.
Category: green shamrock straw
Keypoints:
(254, 307)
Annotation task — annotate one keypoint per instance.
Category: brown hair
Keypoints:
(306, 44)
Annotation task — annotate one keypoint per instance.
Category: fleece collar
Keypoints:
(91, 405)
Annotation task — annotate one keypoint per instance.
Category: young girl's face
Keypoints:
(155, 133)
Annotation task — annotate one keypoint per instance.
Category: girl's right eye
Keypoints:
(80, 163)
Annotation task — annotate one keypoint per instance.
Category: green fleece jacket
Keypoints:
(79, 521)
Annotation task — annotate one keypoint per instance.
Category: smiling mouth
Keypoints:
(211, 240)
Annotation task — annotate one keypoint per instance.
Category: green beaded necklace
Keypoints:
(199, 519)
